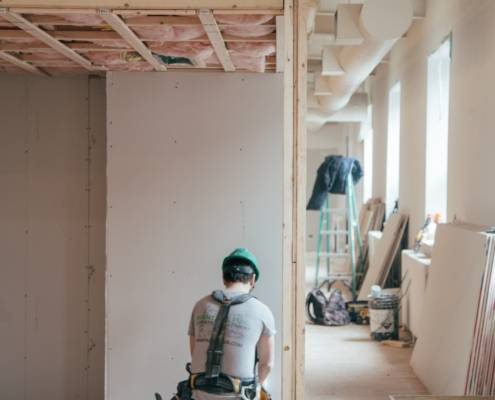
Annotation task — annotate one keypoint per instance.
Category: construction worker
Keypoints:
(229, 331)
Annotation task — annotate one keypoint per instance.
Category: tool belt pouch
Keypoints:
(184, 391)
(264, 395)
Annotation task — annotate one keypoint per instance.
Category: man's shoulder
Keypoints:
(262, 306)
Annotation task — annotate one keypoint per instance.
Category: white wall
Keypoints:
(195, 169)
(51, 310)
(471, 139)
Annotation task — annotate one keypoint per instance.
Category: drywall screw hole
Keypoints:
(286, 348)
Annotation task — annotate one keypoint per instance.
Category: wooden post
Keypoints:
(294, 198)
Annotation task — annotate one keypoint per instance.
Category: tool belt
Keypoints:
(223, 384)
(213, 380)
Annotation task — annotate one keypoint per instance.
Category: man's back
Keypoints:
(246, 323)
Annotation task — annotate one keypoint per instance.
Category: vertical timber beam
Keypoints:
(295, 83)
(301, 8)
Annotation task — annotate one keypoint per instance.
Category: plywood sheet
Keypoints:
(382, 254)
(441, 356)
(192, 174)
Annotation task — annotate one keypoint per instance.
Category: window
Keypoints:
(368, 156)
(437, 130)
(393, 147)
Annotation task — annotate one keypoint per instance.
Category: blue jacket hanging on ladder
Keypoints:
(332, 178)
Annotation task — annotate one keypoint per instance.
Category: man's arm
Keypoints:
(266, 354)
(192, 342)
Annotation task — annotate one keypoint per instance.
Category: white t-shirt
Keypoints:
(246, 323)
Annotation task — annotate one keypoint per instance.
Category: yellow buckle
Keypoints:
(192, 381)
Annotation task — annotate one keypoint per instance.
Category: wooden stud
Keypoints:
(130, 37)
(34, 31)
(213, 32)
(294, 274)
(21, 64)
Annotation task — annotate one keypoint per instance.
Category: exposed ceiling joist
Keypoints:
(21, 64)
(213, 32)
(130, 37)
(33, 31)
(83, 35)
(149, 4)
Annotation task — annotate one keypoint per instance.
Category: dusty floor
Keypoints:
(343, 363)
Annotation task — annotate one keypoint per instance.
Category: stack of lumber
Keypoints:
(386, 250)
(455, 351)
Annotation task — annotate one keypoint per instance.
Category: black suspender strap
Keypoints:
(215, 349)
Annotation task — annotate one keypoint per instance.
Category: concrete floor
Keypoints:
(343, 363)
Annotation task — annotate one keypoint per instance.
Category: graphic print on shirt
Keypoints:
(235, 329)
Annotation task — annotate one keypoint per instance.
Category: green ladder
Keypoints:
(352, 233)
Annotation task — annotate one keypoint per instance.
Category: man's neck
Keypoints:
(238, 287)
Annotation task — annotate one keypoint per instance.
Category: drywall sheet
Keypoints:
(441, 355)
(415, 267)
(52, 163)
(194, 170)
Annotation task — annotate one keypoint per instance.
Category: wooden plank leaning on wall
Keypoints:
(294, 198)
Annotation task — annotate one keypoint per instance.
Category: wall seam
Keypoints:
(88, 266)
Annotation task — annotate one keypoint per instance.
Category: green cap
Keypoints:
(243, 256)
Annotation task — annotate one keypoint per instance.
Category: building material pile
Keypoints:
(371, 216)
(455, 351)
(387, 247)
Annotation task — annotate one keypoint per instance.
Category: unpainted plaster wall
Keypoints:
(472, 95)
(52, 238)
(195, 169)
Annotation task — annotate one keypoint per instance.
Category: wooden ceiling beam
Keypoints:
(21, 64)
(12, 34)
(130, 37)
(33, 31)
(150, 4)
(213, 32)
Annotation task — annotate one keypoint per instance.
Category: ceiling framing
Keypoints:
(60, 37)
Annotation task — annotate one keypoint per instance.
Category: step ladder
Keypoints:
(352, 236)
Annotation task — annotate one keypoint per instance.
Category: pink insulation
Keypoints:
(119, 44)
(107, 58)
(140, 66)
(168, 33)
(83, 19)
(254, 64)
(249, 31)
(245, 25)
(252, 49)
(247, 19)
(191, 50)
(119, 61)
(49, 55)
